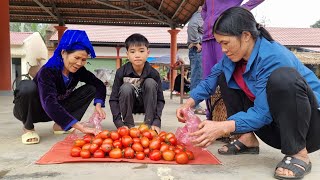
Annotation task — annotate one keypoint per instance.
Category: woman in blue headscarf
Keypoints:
(52, 96)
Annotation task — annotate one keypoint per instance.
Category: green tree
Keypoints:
(316, 25)
(29, 27)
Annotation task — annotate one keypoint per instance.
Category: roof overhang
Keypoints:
(152, 13)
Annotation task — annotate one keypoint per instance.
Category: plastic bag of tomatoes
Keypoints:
(135, 143)
(93, 122)
(191, 125)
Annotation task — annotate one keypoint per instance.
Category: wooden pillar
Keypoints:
(173, 55)
(5, 61)
(60, 30)
(118, 61)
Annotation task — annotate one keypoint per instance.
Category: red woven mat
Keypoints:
(60, 153)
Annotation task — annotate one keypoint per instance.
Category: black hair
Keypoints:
(136, 40)
(235, 20)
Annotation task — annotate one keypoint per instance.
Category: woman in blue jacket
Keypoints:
(268, 92)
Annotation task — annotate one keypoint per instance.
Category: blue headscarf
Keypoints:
(70, 41)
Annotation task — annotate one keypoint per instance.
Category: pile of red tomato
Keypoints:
(139, 143)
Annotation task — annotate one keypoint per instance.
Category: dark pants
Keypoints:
(144, 102)
(28, 108)
(293, 107)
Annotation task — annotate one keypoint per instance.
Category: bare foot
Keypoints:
(30, 139)
(248, 139)
(302, 155)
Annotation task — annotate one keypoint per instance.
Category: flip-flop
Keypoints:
(288, 162)
(30, 135)
(243, 149)
(63, 132)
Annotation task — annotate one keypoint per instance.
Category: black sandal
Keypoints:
(243, 149)
(290, 163)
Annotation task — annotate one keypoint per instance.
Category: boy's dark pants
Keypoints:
(293, 107)
(28, 109)
(145, 102)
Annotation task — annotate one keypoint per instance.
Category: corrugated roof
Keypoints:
(118, 34)
(290, 37)
(17, 38)
(300, 37)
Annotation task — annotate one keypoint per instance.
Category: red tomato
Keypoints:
(179, 146)
(162, 137)
(107, 141)
(97, 136)
(137, 147)
(162, 133)
(86, 146)
(114, 135)
(146, 151)
(145, 142)
(168, 155)
(190, 154)
(104, 134)
(75, 151)
(147, 134)
(79, 143)
(172, 141)
(140, 155)
(115, 153)
(177, 150)
(153, 133)
(123, 131)
(155, 144)
(126, 141)
(117, 143)
(128, 153)
(93, 148)
(164, 147)
(168, 136)
(182, 158)
(136, 140)
(134, 132)
(106, 147)
(155, 155)
(85, 154)
(171, 147)
(87, 138)
(143, 127)
(99, 154)
(97, 141)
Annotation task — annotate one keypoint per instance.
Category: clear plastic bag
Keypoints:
(192, 122)
(93, 122)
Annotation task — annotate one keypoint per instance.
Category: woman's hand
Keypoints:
(100, 111)
(179, 112)
(209, 131)
(84, 129)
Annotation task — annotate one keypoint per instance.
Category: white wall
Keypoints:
(33, 47)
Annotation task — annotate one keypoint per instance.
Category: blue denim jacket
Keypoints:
(264, 59)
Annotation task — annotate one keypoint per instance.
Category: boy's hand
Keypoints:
(100, 111)
(155, 128)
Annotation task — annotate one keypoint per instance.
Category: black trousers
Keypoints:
(28, 108)
(293, 107)
(132, 102)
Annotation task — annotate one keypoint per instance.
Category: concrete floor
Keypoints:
(17, 161)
